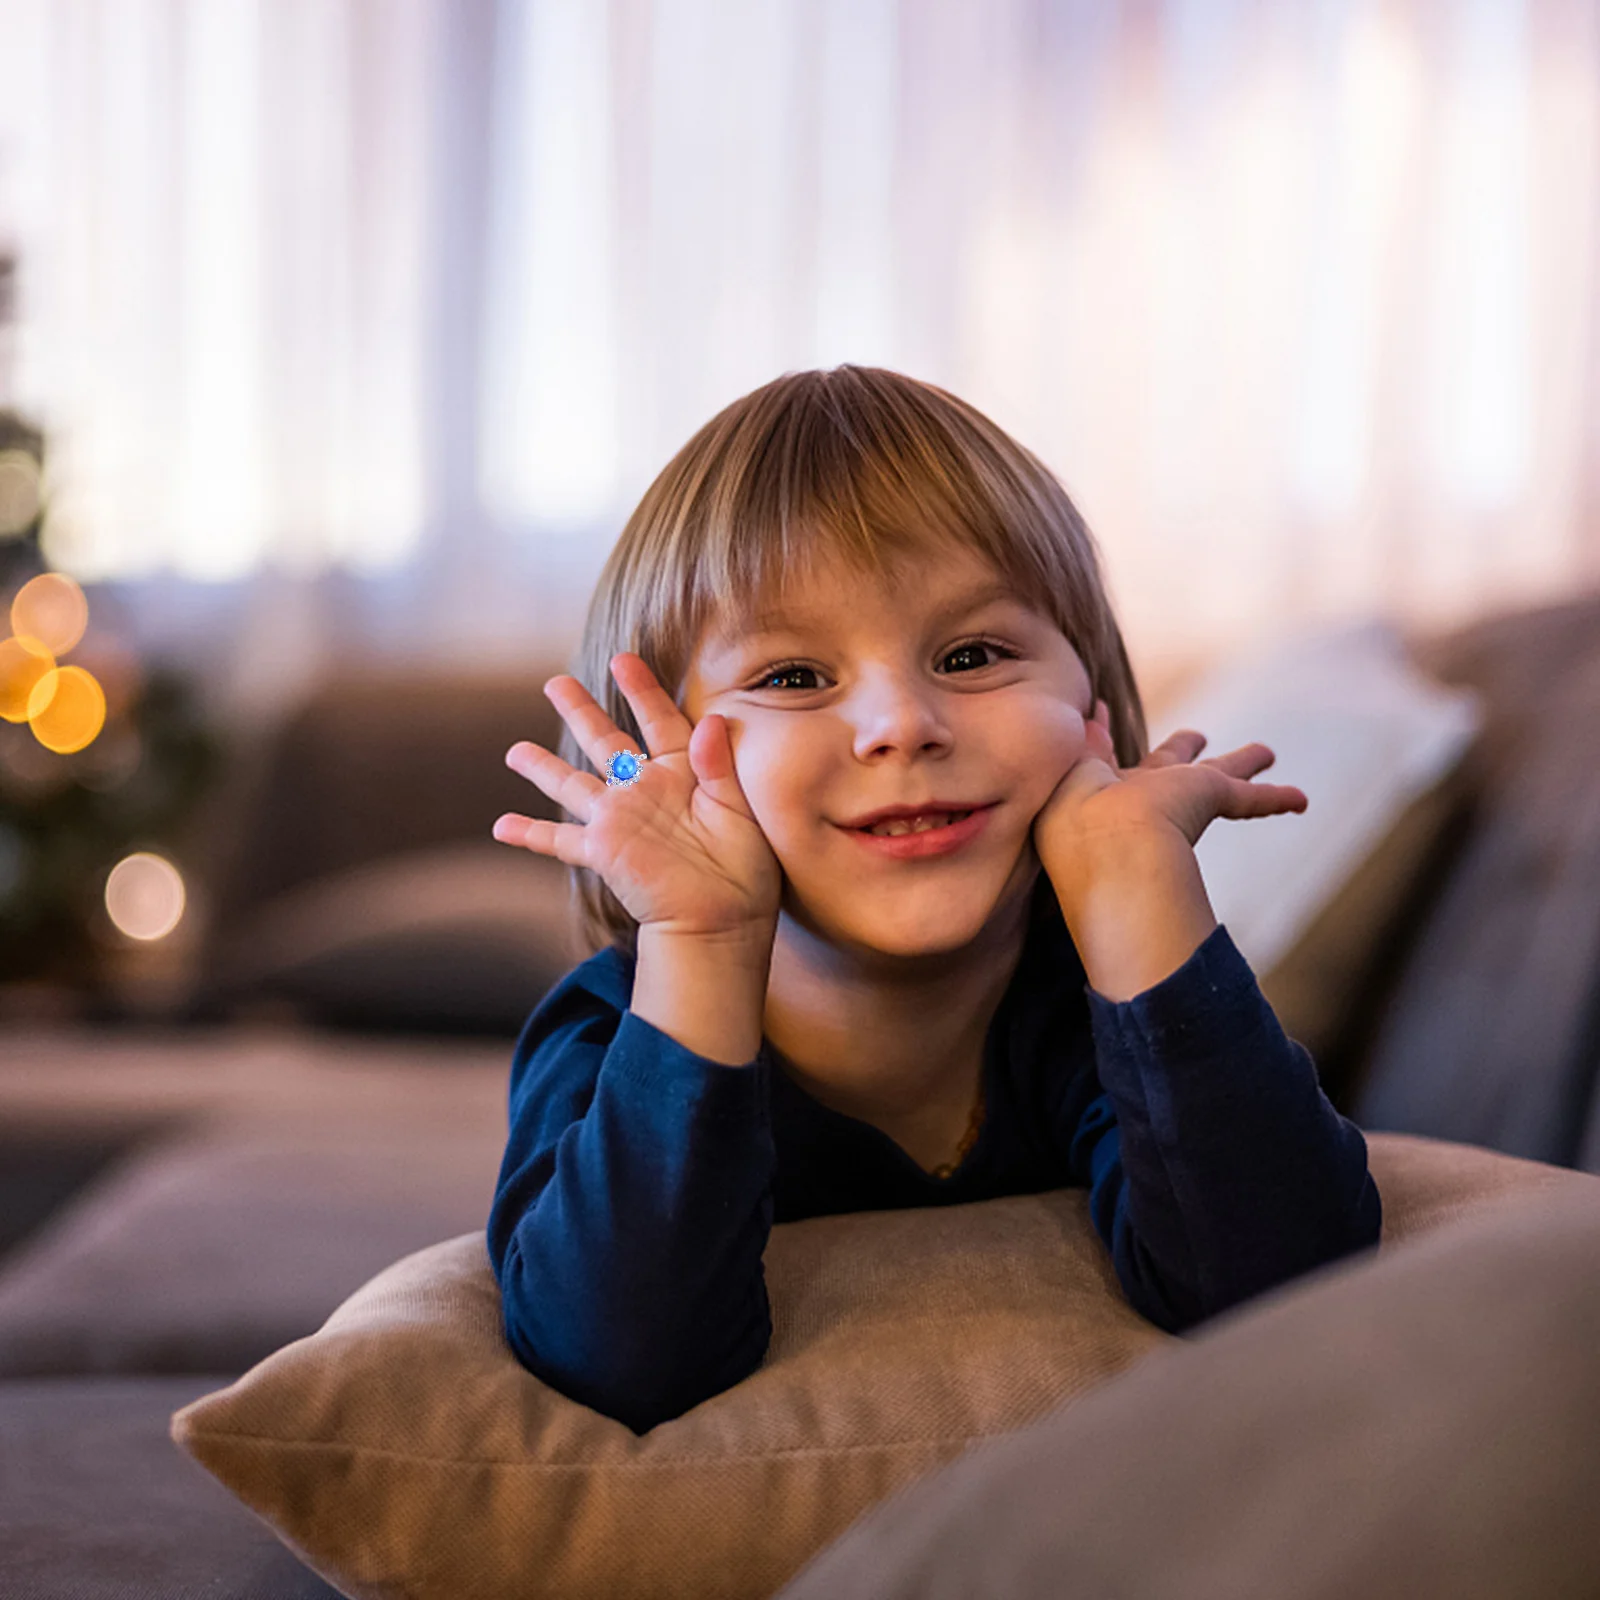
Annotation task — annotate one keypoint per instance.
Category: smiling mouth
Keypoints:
(900, 826)
(940, 835)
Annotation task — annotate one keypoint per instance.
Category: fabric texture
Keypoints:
(210, 1251)
(95, 1504)
(643, 1178)
(404, 1450)
(1424, 1428)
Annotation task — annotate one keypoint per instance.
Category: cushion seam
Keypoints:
(675, 1462)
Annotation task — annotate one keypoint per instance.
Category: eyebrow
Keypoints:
(776, 620)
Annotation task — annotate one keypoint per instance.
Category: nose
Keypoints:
(894, 712)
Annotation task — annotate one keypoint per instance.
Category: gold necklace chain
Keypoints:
(968, 1139)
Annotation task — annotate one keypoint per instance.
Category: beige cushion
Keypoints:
(403, 1449)
(1376, 745)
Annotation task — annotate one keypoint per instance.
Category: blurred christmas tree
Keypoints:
(100, 759)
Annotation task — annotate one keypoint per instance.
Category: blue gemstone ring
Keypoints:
(624, 768)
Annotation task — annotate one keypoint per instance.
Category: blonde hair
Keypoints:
(858, 466)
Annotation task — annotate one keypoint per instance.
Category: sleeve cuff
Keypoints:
(1214, 979)
(655, 1066)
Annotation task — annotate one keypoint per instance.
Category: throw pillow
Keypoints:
(403, 1449)
(1374, 743)
(462, 938)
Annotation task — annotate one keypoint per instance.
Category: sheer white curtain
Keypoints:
(223, 216)
(1299, 301)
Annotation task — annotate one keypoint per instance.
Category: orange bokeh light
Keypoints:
(52, 609)
(66, 714)
(23, 663)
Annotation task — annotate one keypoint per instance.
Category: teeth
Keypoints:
(901, 825)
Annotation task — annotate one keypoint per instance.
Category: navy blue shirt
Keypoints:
(640, 1180)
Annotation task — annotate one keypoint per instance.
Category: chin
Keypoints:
(928, 922)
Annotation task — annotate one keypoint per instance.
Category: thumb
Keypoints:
(1098, 739)
(711, 759)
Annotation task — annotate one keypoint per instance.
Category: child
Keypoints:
(851, 593)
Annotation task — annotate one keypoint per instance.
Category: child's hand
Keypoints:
(679, 846)
(1167, 792)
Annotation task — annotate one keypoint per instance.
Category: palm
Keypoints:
(680, 846)
(672, 853)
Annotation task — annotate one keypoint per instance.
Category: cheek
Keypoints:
(1048, 741)
(770, 768)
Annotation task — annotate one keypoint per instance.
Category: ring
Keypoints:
(623, 768)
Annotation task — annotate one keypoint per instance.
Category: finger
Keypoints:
(1245, 762)
(563, 840)
(598, 736)
(1098, 742)
(571, 789)
(711, 757)
(1184, 745)
(665, 728)
(1245, 799)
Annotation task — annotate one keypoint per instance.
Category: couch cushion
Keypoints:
(404, 1449)
(327, 895)
(1425, 1427)
(95, 1504)
(206, 1254)
(324, 797)
(1375, 743)
(1489, 1029)
(463, 938)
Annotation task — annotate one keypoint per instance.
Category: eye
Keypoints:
(788, 668)
(984, 644)
(785, 671)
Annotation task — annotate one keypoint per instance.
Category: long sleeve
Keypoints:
(632, 1208)
(1217, 1167)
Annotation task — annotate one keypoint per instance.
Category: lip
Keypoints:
(909, 813)
(935, 842)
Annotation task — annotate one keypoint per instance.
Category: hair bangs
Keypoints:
(819, 492)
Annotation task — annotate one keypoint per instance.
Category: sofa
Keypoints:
(184, 1197)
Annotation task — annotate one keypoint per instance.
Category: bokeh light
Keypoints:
(19, 492)
(145, 896)
(23, 663)
(66, 709)
(52, 609)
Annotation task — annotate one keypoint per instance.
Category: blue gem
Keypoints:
(624, 766)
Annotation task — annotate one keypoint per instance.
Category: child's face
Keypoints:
(890, 704)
